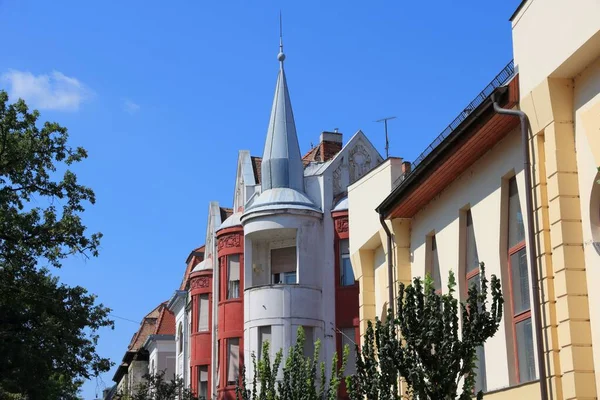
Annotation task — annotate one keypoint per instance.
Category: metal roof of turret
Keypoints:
(282, 162)
(282, 170)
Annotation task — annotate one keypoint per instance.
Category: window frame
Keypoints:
(180, 338)
(432, 255)
(517, 317)
(228, 349)
(228, 274)
(521, 316)
(199, 314)
(199, 371)
(263, 330)
(345, 256)
(348, 336)
(468, 276)
(279, 278)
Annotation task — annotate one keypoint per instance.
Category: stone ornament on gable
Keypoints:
(337, 179)
(232, 240)
(360, 162)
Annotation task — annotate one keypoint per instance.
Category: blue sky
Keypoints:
(164, 94)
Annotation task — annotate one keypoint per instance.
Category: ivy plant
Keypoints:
(430, 346)
(300, 377)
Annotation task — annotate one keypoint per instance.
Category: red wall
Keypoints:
(230, 311)
(200, 342)
(346, 297)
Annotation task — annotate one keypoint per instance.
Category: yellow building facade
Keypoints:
(463, 201)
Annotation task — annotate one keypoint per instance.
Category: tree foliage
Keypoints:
(156, 387)
(301, 377)
(431, 344)
(48, 331)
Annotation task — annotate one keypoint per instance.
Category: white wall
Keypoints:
(481, 189)
(546, 33)
(163, 355)
(364, 196)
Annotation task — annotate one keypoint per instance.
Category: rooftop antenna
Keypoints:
(387, 142)
(280, 56)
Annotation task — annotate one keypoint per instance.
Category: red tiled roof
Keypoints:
(193, 259)
(256, 163)
(166, 322)
(324, 151)
(147, 328)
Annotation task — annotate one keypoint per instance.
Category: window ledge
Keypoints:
(511, 387)
(236, 300)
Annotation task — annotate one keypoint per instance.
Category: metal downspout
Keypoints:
(389, 264)
(532, 251)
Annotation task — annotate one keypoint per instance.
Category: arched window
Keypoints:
(180, 337)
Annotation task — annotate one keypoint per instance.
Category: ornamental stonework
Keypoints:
(341, 225)
(199, 283)
(232, 240)
(360, 162)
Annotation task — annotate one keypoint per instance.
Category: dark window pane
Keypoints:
(203, 381)
(309, 341)
(233, 273)
(480, 379)
(525, 351)
(347, 273)
(516, 227)
(233, 360)
(472, 258)
(520, 281)
(435, 266)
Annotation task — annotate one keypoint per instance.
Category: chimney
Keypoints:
(406, 167)
(330, 144)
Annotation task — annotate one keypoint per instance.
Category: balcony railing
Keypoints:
(502, 78)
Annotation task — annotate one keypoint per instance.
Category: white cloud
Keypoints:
(130, 107)
(55, 91)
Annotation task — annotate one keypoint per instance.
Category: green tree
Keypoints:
(302, 377)
(426, 344)
(156, 387)
(48, 331)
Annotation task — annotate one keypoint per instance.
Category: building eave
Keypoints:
(403, 202)
(155, 338)
(519, 8)
(178, 296)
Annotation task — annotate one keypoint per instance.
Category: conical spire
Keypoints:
(282, 163)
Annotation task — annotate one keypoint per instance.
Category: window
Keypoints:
(519, 288)
(309, 341)
(152, 372)
(283, 265)
(472, 279)
(203, 310)
(233, 361)
(433, 269)
(233, 276)
(203, 381)
(346, 273)
(348, 340)
(180, 337)
(264, 335)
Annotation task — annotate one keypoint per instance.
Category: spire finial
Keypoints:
(280, 56)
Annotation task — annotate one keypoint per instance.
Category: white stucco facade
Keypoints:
(309, 302)
(162, 354)
(178, 305)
